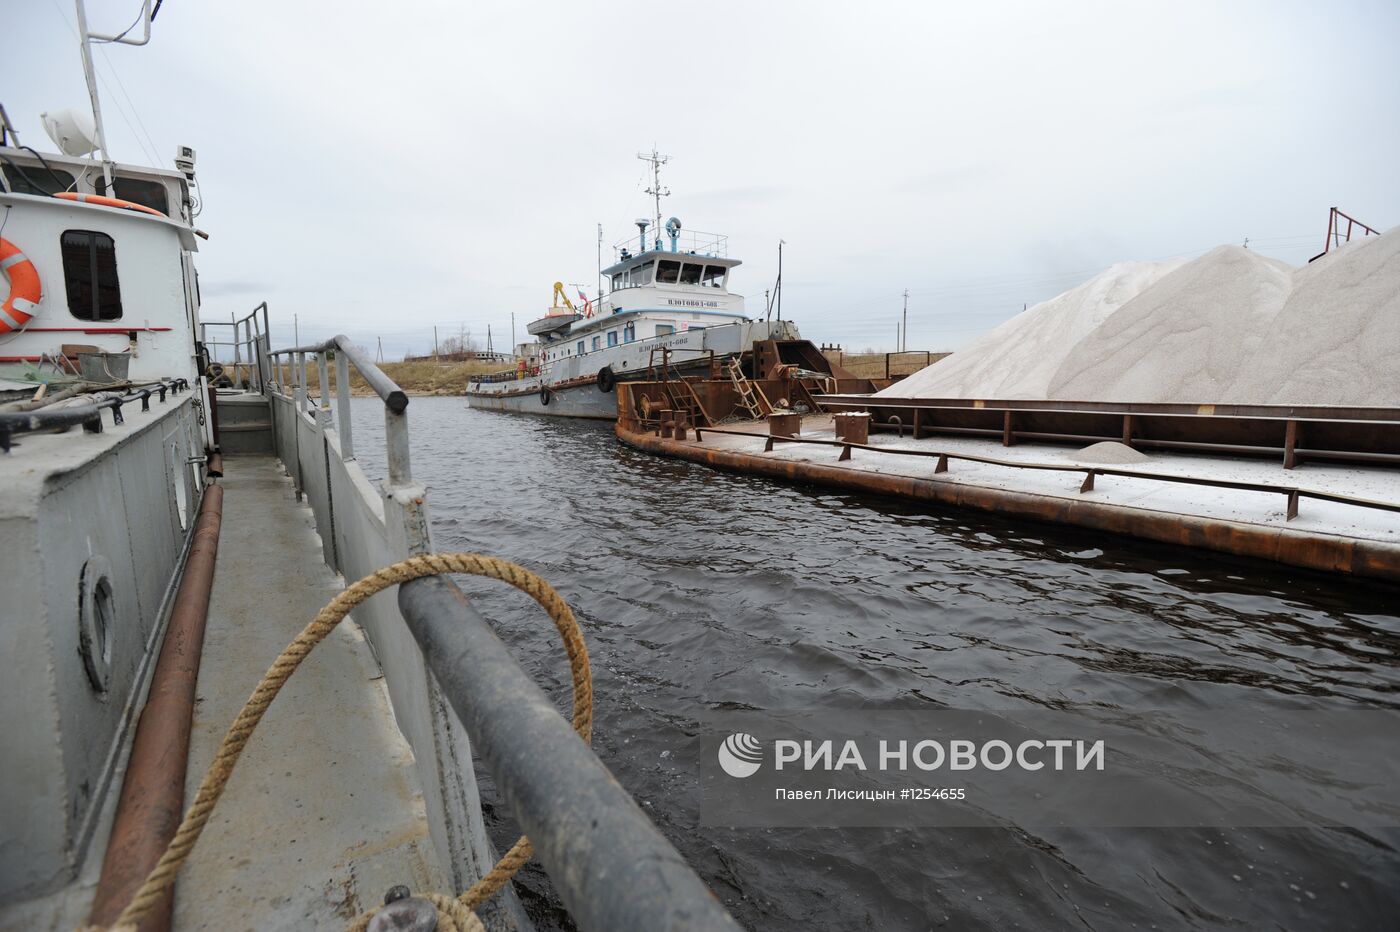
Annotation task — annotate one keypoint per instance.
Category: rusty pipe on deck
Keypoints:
(153, 790)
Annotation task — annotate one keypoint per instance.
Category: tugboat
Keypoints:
(668, 308)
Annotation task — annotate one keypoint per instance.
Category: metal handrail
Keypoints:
(394, 398)
(1292, 492)
(88, 416)
(610, 864)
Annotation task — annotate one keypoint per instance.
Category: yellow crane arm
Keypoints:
(559, 295)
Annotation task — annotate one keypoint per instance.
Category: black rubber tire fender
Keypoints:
(545, 395)
(607, 379)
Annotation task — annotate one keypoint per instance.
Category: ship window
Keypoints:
(667, 271)
(27, 179)
(641, 275)
(146, 193)
(617, 281)
(596, 341)
(90, 271)
(580, 347)
(690, 274)
(629, 333)
(713, 277)
(612, 337)
(664, 329)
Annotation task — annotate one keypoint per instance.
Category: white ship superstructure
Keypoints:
(668, 301)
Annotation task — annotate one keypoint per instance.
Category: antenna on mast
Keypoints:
(85, 40)
(656, 191)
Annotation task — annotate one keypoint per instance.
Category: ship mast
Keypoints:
(656, 191)
(85, 40)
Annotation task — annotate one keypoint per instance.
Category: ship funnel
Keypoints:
(642, 229)
(673, 230)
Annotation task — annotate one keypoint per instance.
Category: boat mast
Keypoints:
(85, 40)
(656, 191)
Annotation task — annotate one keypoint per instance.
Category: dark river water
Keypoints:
(700, 591)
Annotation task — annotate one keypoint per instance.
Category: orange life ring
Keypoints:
(107, 202)
(26, 290)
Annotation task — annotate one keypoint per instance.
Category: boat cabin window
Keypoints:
(580, 347)
(664, 330)
(690, 274)
(629, 333)
(612, 337)
(713, 276)
(667, 271)
(28, 179)
(596, 341)
(641, 275)
(90, 272)
(617, 280)
(137, 190)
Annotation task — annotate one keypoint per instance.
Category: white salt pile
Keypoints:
(1229, 327)
(1019, 358)
(1337, 339)
(1183, 338)
(1108, 452)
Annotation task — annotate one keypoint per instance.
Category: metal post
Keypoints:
(325, 418)
(236, 358)
(396, 446)
(611, 866)
(299, 379)
(342, 401)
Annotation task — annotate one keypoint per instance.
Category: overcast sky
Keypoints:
(377, 169)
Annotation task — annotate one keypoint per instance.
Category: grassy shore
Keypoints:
(872, 365)
(419, 377)
(425, 377)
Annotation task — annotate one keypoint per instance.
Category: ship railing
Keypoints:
(32, 417)
(1292, 493)
(246, 341)
(688, 242)
(610, 865)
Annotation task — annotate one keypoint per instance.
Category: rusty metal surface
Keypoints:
(153, 791)
(1328, 553)
(1292, 433)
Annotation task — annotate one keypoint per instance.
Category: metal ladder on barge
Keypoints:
(750, 396)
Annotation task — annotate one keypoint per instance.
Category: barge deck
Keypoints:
(1214, 502)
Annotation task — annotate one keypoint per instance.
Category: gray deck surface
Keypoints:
(323, 813)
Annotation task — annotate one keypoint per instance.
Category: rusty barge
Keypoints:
(1225, 478)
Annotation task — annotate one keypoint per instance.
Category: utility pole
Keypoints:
(656, 191)
(435, 349)
(598, 295)
(379, 356)
(488, 339)
(768, 304)
(512, 330)
(780, 279)
(905, 344)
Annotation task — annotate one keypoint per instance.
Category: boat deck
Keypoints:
(324, 812)
(1353, 538)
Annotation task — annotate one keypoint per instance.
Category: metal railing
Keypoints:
(1293, 493)
(688, 242)
(248, 344)
(87, 416)
(611, 866)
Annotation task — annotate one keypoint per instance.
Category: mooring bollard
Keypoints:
(663, 424)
